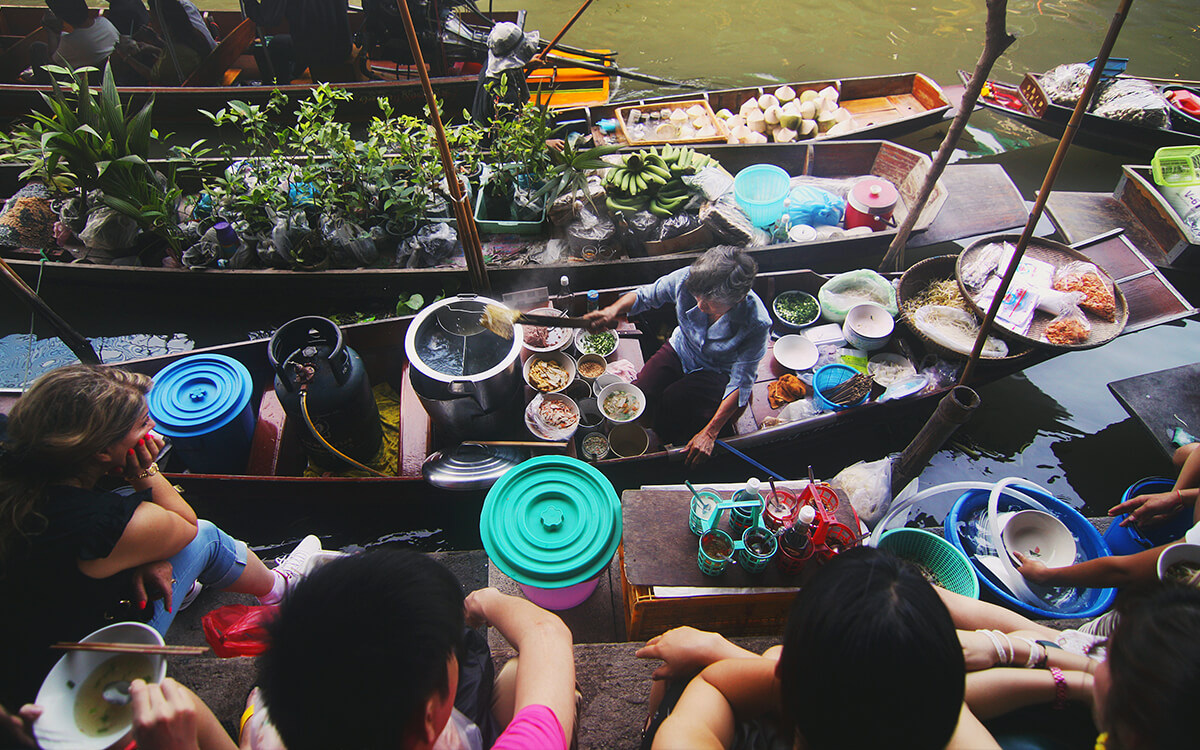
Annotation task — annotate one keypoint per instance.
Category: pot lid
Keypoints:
(471, 466)
(199, 394)
(551, 522)
(874, 195)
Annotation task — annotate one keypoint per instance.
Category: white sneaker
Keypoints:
(298, 562)
(191, 595)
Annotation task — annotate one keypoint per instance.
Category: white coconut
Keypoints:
(785, 135)
(843, 127)
(695, 111)
(766, 101)
(808, 127)
(828, 93)
(756, 121)
(841, 114)
(700, 122)
(792, 107)
(741, 134)
(678, 116)
(825, 121)
(725, 114)
(808, 95)
(789, 120)
(747, 106)
(772, 115)
(808, 109)
(785, 94)
(758, 138)
(735, 121)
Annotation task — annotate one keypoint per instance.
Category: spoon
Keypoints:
(117, 693)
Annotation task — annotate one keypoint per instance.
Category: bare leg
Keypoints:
(972, 614)
(255, 579)
(504, 693)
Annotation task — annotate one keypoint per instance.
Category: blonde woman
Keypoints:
(74, 557)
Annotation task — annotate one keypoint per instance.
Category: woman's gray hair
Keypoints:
(724, 274)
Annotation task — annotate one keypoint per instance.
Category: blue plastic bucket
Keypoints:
(1126, 540)
(202, 402)
(760, 190)
(830, 376)
(1090, 603)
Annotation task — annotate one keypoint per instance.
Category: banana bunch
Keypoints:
(651, 179)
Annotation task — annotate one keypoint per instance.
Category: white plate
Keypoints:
(795, 352)
(556, 338)
(888, 358)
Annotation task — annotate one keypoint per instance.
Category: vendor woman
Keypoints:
(704, 374)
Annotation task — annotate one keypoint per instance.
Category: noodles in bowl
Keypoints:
(622, 402)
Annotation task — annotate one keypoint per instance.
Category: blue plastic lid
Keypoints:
(551, 522)
(199, 394)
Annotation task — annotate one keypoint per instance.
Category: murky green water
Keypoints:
(1056, 424)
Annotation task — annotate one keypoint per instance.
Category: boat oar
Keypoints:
(75, 341)
(614, 70)
(467, 231)
(541, 55)
(1060, 154)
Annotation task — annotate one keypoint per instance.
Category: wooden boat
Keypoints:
(1028, 104)
(1160, 401)
(1135, 206)
(454, 70)
(273, 479)
(881, 106)
(970, 200)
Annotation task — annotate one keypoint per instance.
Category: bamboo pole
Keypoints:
(995, 41)
(1060, 154)
(468, 233)
(80, 346)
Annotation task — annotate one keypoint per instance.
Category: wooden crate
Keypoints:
(721, 135)
(735, 613)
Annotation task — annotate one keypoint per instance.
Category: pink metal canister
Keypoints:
(871, 203)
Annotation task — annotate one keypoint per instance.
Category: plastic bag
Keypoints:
(981, 265)
(730, 225)
(844, 291)
(1058, 303)
(205, 253)
(108, 230)
(1065, 83)
(676, 225)
(433, 245)
(1133, 100)
(815, 207)
(1098, 298)
(350, 246)
(238, 629)
(869, 487)
(1068, 329)
(289, 238)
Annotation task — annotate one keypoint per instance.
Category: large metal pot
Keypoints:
(467, 378)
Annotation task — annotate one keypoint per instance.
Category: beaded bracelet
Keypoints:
(150, 471)
(1060, 689)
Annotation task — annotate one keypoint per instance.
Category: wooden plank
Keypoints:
(660, 549)
(1081, 215)
(980, 199)
(414, 431)
(1150, 297)
(212, 69)
(1161, 401)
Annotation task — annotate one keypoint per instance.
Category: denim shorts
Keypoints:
(213, 557)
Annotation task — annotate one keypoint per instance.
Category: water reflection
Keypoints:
(23, 356)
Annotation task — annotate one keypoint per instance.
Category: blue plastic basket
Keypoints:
(1126, 540)
(760, 190)
(1090, 603)
(830, 376)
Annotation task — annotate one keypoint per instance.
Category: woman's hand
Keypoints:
(1147, 510)
(153, 581)
(142, 455)
(1034, 570)
(604, 319)
(700, 448)
(474, 606)
(164, 716)
(19, 728)
(979, 652)
(685, 651)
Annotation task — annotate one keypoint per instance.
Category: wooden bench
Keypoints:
(214, 70)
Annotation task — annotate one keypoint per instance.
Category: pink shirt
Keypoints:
(533, 728)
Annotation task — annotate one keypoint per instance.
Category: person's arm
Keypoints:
(1158, 506)
(546, 675)
(979, 652)
(607, 317)
(705, 714)
(162, 493)
(685, 650)
(1101, 572)
(701, 445)
(995, 692)
(970, 734)
(168, 716)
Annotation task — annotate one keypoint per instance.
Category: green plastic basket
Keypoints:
(951, 568)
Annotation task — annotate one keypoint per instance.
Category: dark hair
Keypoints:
(74, 12)
(869, 637)
(1154, 668)
(723, 274)
(368, 637)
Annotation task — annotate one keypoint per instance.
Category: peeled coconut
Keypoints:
(808, 109)
(843, 127)
(724, 114)
(825, 121)
(741, 134)
(747, 106)
(756, 121)
(785, 94)
(695, 111)
(808, 127)
(792, 107)
(734, 121)
(808, 95)
(758, 138)
(789, 120)
(785, 135)
(772, 115)
(828, 93)
(678, 116)
(766, 101)
(841, 114)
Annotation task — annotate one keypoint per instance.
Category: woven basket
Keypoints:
(942, 268)
(950, 567)
(1057, 255)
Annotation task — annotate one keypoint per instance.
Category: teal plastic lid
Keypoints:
(199, 394)
(551, 522)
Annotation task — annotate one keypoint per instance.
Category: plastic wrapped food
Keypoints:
(956, 330)
(844, 291)
(1065, 83)
(975, 272)
(1133, 100)
(1098, 298)
(1069, 329)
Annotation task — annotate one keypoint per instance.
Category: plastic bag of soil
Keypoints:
(676, 225)
(433, 245)
(294, 244)
(350, 246)
(108, 230)
(1135, 101)
(205, 253)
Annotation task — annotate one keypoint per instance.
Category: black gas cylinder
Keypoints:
(313, 365)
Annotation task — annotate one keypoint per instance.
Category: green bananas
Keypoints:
(651, 179)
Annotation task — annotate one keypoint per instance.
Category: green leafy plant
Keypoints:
(572, 166)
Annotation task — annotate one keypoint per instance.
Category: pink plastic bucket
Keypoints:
(559, 599)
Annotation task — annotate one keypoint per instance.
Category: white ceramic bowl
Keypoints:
(868, 327)
(74, 674)
(557, 339)
(1177, 553)
(559, 357)
(798, 295)
(609, 390)
(1039, 536)
(604, 381)
(547, 430)
(795, 352)
(581, 336)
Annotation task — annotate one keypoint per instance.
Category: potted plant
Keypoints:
(519, 164)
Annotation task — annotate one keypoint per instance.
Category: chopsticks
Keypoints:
(131, 648)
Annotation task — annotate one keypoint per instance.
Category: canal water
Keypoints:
(1055, 424)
